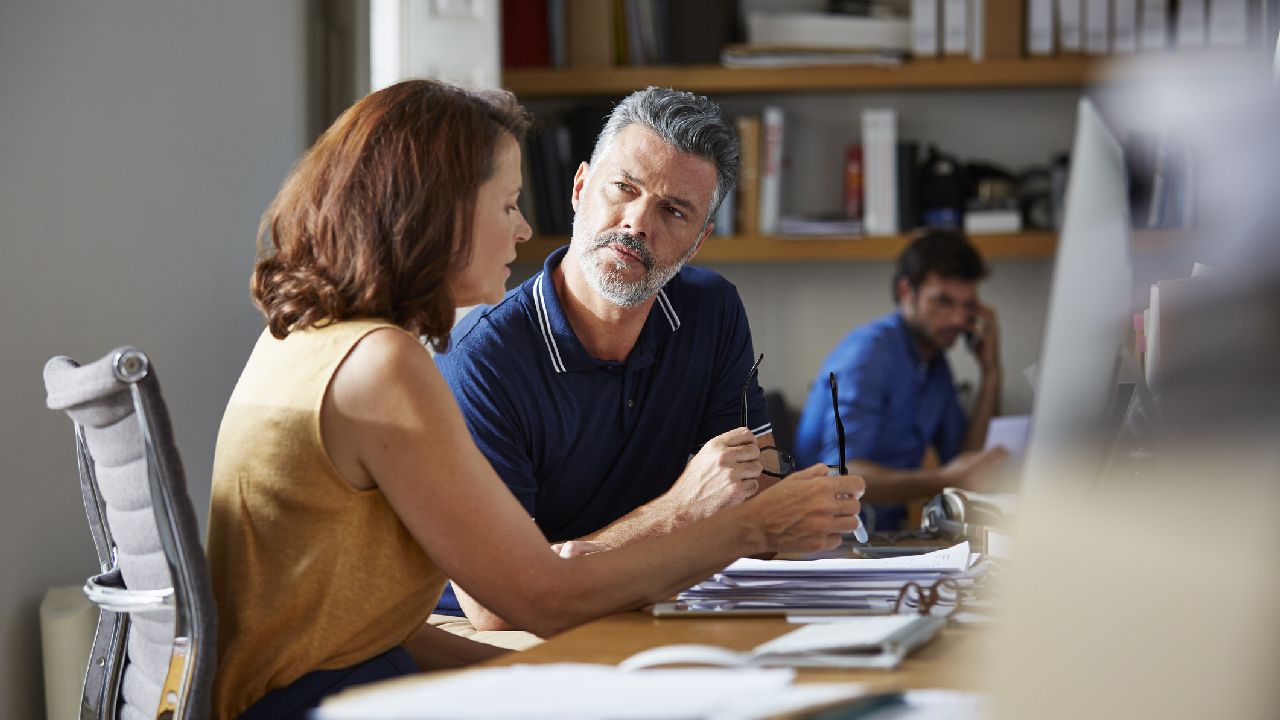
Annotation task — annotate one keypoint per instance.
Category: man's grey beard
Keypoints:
(605, 276)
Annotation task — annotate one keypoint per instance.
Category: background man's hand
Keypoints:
(974, 470)
(578, 548)
(985, 342)
(725, 472)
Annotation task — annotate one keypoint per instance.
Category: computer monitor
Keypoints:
(1087, 319)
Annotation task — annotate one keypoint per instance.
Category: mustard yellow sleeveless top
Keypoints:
(309, 573)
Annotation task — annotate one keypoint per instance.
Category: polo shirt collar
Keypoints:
(563, 348)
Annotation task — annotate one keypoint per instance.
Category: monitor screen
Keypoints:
(1088, 315)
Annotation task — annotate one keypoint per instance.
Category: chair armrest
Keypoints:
(107, 592)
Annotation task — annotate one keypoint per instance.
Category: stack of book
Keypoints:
(876, 34)
(880, 181)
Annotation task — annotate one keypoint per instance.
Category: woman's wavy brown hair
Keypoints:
(377, 215)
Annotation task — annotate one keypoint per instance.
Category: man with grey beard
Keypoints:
(607, 391)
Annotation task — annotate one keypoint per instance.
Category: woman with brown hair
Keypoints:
(346, 485)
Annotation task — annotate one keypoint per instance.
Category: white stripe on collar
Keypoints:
(764, 429)
(544, 324)
(665, 303)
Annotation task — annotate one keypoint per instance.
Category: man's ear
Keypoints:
(698, 245)
(903, 291)
(579, 182)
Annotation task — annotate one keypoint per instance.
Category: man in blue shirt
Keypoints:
(896, 393)
(607, 390)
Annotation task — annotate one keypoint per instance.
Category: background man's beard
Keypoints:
(605, 277)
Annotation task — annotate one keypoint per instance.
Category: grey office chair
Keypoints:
(155, 649)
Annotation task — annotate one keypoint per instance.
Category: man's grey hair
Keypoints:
(690, 123)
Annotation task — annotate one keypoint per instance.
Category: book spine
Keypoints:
(924, 28)
(1154, 20)
(621, 53)
(908, 169)
(955, 27)
(589, 33)
(543, 180)
(748, 210)
(525, 41)
(1040, 27)
(977, 30)
(1070, 37)
(1229, 23)
(556, 34)
(853, 185)
(724, 216)
(1002, 30)
(1191, 24)
(1124, 26)
(1097, 27)
(771, 128)
(635, 29)
(879, 146)
(699, 30)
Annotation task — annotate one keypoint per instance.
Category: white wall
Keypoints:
(140, 141)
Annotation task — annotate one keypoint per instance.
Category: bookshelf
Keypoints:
(1064, 71)
(1017, 246)
(916, 74)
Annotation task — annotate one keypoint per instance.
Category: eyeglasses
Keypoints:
(786, 463)
(940, 598)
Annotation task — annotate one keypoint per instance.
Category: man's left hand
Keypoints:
(985, 339)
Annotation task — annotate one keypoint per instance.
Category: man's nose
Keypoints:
(636, 218)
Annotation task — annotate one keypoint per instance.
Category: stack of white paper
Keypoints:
(846, 584)
(569, 691)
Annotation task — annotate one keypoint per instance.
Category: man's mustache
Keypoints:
(628, 241)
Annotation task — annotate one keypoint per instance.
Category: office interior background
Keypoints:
(140, 141)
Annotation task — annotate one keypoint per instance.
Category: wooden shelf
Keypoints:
(916, 74)
(1026, 245)
(1208, 66)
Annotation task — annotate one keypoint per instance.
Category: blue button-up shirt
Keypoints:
(893, 404)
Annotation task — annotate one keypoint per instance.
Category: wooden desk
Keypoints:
(948, 661)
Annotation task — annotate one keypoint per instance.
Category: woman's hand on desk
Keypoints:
(974, 470)
(578, 548)
(809, 511)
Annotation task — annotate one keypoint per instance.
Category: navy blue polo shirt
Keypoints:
(892, 403)
(582, 441)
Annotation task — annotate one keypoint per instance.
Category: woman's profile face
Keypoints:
(496, 228)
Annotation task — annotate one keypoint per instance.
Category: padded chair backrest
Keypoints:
(130, 470)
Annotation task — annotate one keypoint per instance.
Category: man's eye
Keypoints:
(676, 212)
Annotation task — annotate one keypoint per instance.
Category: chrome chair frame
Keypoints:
(101, 690)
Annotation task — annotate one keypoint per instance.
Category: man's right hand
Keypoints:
(809, 511)
(974, 470)
(724, 473)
